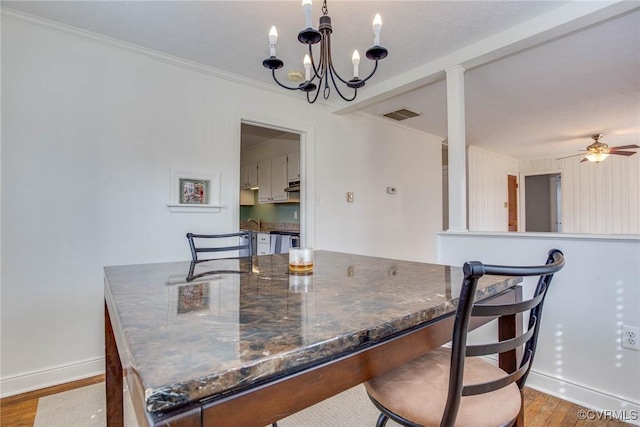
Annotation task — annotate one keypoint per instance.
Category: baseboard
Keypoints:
(50, 377)
(606, 405)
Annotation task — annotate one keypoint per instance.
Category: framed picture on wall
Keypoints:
(194, 191)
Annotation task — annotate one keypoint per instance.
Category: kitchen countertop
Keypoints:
(288, 233)
(231, 330)
(267, 227)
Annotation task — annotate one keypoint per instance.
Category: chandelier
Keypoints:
(323, 70)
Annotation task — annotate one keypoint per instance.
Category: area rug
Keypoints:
(85, 407)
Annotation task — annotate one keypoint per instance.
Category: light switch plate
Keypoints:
(350, 197)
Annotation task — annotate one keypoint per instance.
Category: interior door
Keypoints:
(512, 203)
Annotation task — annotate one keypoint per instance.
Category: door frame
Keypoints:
(307, 174)
(522, 219)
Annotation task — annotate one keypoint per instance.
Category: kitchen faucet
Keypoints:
(257, 222)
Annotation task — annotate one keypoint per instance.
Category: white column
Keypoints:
(457, 149)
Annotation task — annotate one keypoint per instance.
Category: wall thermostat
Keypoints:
(350, 197)
(391, 190)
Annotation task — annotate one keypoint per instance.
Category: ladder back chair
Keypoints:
(450, 386)
(238, 262)
(219, 243)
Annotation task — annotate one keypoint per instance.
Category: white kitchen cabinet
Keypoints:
(263, 244)
(252, 173)
(279, 179)
(272, 180)
(264, 181)
(249, 176)
(293, 166)
(244, 177)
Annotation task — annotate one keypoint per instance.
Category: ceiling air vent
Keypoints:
(401, 114)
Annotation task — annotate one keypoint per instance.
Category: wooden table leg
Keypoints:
(113, 375)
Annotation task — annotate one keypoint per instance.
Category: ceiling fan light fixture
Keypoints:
(596, 157)
(599, 151)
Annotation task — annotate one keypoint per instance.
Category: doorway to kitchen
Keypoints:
(270, 187)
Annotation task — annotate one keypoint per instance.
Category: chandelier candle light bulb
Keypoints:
(355, 60)
(377, 26)
(306, 9)
(273, 38)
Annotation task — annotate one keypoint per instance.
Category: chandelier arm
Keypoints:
(317, 92)
(335, 86)
(316, 71)
(273, 72)
(322, 66)
(333, 70)
(375, 67)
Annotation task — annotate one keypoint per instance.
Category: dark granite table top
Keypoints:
(223, 332)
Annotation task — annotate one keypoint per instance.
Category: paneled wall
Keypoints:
(487, 175)
(597, 198)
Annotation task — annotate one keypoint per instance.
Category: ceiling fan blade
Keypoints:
(560, 158)
(584, 160)
(623, 153)
(622, 147)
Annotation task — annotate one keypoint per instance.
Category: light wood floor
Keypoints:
(540, 409)
(20, 410)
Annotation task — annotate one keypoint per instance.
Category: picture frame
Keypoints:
(194, 191)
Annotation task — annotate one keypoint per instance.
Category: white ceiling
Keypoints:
(251, 135)
(541, 75)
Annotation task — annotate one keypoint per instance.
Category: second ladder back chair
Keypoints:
(236, 250)
(450, 387)
(220, 244)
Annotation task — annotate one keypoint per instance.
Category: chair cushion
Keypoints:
(417, 391)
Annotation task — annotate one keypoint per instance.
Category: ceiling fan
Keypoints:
(598, 151)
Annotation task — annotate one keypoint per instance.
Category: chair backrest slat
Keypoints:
(506, 309)
(501, 346)
(221, 249)
(489, 386)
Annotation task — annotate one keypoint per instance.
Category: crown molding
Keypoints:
(150, 53)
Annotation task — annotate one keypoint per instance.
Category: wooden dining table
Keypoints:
(242, 342)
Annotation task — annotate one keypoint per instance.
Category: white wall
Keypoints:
(597, 198)
(487, 189)
(579, 357)
(407, 162)
(90, 131)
